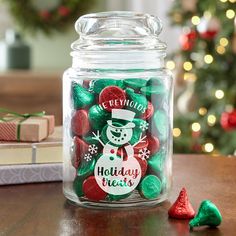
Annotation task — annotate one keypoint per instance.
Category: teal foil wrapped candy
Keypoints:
(138, 103)
(98, 85)
(98, 117)
(141, 126)
(156, 163)
(85, 170)
(208, 214)
(135, 83)
(150, 187)
(161, 123)
(81, 97)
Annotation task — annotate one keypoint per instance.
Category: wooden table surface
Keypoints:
(42, 210)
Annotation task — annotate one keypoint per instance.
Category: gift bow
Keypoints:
(14, 115)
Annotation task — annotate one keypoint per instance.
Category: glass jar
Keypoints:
(117, 113)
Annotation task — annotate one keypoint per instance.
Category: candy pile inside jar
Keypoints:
(120, 130)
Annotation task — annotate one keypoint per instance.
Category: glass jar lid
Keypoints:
(118, 30)
(118, 39)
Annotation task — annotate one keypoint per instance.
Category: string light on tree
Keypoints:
(219, 94)
(202, 111)
(232, 1)
(208, 147)
(211, 120)
(176, 132)
(223, 0)
(208, 59)
(196, 127)
(230, 14)
(190, 77)
(220, 49)
(195, 20)
(170, 65)
(187, 66)
(224, 42)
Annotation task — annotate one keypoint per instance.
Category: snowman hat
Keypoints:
(122, 114)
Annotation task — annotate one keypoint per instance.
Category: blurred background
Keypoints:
(35, 38)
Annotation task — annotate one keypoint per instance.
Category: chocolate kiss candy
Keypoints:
(150, 187)
(143, 164)
(208, 214)
(150, 90)
(98, 117)
(161, 122)
(153, 144)
(80, 123)
(135, 83)
(79, 149)
(182, 209)
(81, 97)
(78, 186)
(149, 112)
(112, 97)
(140, 127)
(100, 84)
(139, 101)
(141, 145)
(156, 162)
(92, 190)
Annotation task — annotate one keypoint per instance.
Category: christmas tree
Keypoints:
(206, 73)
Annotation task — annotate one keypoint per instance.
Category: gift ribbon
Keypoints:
(15, 115)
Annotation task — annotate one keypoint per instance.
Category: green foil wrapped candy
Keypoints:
(157, 91)
(77, 186)
(161, 123)
(98, 117)
(208, 214)
(81, 97)
(141, 126)
(138, 103)
(135, 83)
(156, 163)
(100, 84)
(150, 187)
(86, 168)
(153, 90)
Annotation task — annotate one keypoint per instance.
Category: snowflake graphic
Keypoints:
(144, 153)
(93, 149)
(87, 157)
(144, 126)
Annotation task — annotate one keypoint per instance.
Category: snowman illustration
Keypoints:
(118, 175)
(119, 135)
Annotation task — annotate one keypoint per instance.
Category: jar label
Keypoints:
(117, 171)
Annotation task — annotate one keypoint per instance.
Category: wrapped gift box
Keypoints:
(32, 129)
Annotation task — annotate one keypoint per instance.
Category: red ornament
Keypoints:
(92, 190)
(80, 122)
(143, 164)
(228, 120)
(149, 112)
(44, 14)
(79, 149)
(208, 27)
(182, 209)
(63, 11)
(112, 97)
(153, 144)
(187, 41)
